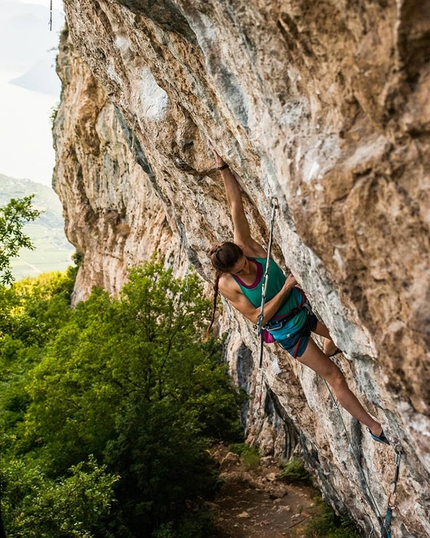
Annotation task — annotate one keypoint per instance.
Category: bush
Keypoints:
(249, 455)
(72, 506)
(326, 524)
(128, 381)
(294, 471)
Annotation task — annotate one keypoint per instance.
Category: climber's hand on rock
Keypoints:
(290, 282)
(219, 160)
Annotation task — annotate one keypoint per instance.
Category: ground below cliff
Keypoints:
(256, 502)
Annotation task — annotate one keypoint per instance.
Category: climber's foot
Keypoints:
(379, 438)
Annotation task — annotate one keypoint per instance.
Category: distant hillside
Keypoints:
(41, 77)
(53, 251)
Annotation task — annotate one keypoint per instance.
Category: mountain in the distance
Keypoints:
(53, 252)
(28, 47)
(25, 37)
(41, 77)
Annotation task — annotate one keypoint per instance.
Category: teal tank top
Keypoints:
(275, 281)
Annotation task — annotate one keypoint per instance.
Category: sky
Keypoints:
(27, 53)
(56, 4)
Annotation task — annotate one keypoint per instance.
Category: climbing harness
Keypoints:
(265, 280)
(385, 523)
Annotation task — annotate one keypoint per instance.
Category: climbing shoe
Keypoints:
(381, 438)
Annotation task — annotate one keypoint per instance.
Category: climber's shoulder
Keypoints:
(228, 287)
(227, 284)
(252, 249)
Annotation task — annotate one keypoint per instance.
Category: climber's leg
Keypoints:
(329, 346)
(323, 366)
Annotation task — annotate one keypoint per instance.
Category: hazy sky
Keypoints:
(56, 4)
(26, 49)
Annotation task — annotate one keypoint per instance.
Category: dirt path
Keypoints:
(255, 502)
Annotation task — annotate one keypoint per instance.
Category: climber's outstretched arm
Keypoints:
(242, 233)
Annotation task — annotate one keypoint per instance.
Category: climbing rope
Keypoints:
(353, 451)
(386, 525)
(259, 384)
(266, 279)
(386, 522)
(50, 15)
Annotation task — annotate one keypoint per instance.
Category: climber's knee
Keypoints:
(336, 379)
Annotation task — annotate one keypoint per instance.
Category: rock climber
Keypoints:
(240, 266)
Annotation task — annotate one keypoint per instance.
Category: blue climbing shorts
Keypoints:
(295, 342)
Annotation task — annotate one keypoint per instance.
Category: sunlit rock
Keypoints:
(324, 106)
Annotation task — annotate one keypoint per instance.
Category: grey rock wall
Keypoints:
(324, 105)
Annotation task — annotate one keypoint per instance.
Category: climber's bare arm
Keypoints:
(242, 233)
(231, 291)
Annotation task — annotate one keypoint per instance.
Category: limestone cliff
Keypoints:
(324, 105)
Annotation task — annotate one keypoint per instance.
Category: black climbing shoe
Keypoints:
(381, 438)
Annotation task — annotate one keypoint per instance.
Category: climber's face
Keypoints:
(241, 267)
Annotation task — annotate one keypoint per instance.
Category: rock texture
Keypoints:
(324, 105)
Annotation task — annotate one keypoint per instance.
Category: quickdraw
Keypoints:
(386, 525)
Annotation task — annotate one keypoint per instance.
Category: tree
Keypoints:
(13, 217)
(67, 507)
(126, 380)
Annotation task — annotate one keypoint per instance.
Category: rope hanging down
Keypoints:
(266, 279)
(385, 523)
(372, 502)
(50, 15)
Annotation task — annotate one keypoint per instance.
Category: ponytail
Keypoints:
(223, 258)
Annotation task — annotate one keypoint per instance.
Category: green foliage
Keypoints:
(194, 524)
(13, 216)
(33, 310)
(326, 524)
(129, 382)
(51, 251)
(294, 471)
(67, 507)
(249, 454)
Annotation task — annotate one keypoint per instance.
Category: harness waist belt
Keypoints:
(278, 323)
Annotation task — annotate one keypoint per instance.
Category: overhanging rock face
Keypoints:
(324, 105)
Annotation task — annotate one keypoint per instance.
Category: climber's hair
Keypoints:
(223, 258)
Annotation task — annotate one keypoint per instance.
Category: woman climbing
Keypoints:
(240, 266)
